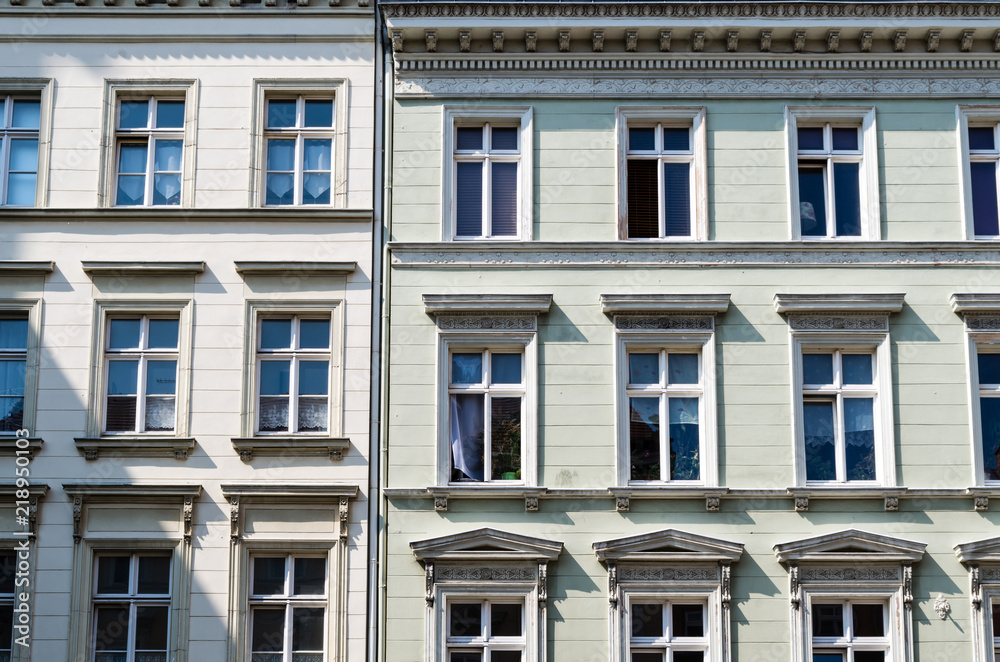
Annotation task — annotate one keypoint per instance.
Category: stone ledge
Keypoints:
(176, 447)
(248, 447)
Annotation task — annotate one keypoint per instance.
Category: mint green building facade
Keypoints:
(772, 227)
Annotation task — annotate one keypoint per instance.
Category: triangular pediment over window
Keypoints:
(489, 544)
(979, 551)
(666, 546)
(850, 546)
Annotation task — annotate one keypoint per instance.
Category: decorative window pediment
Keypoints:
(668, 546)
(487, 543)
(850, 546)
(982, 558)
(979, 551)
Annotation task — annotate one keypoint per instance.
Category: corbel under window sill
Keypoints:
(176, 447)
(889, 495)
(10, 446)
(332, 447)
(624, 495)
(441, 494)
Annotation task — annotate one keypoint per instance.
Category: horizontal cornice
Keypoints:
(615, 255)
(838, 302)
(160, 215)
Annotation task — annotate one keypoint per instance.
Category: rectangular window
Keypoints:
(838, 415)
(288, 601)
(149, 151)
(659, 169)
(664, 386)
(140, 367)
(487, 160)
(829, 178)
(486, 395)
(995, 617)
(293, 373)
(8, 567)
(988, 364)
(13, 370)
(850, 631)
(298, 136)
(984, 164)
(131, 607)
(490, 630)
(662, 630)
(20, 118)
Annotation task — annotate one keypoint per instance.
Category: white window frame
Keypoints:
(978, 341)
(484, 643)
(9, 133)
(31, 310)
(521, 116)
(523, 342)
(260, 309)
(710, 642)
(975, 115)
(148, 136)
(117, 90)
(890, 642)
(288, 600)
(133, 598)
(860, 116)
(40, 88)
(299, 133)
(666, 116)
(702, 343)
(877, 344)
(319, 88)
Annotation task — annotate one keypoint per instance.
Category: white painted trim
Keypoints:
(534, 617)
(712, 304)
(839, 302)
(692, 116)
(826, 548)
(44, 88)
(531, 304)
(962, 116)
(973, 343)
(33, 308)
(456, 114)
(871, 225)
(716, 626)
(486, 544)
(647, 547)
(898, 628)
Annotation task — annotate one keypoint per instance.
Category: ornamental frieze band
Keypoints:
(849, 574)
(473, 322)
(839, 322)
(495, 574)
(664, 322)
(668, 574)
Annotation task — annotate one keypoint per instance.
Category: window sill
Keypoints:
(9, 445)
(624, 495)
(441, 494)
(136, 445)
(889, 495)
(333, 447)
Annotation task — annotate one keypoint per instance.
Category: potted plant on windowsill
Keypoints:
(506, 442)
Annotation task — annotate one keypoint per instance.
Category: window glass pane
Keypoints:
(845, 139)
(122, 377)
(154, 575)
(505, 620)
(981, 137)
(307, 628)
(682, 368)
(161, 377)
(505, 438)
(280, 155)
(642, 199)
(467, 420)
(644, 438)
(817, 368)
(846, 184)
(810, 138)
(688, 656)
(469, 138)
(467, 368)
(160, 414)
(319, 112)
(869, 656)
(131, 190)
(469, 199)
(8, 568)
(162, 334)
(812, 201)
(14, 333)
(11, 414)
(828, 657)
(310, 576)
(676, 139)
(644, 368)
(316, 188)
(314, 334)
(6, 626)
(503, 197)
(466, 656)
(275, 333)
(133, 115)
(273, 414)
(26, 113)
(281, 113)
(989, 368)
(642, 138)
(317, 153)
(24, 155)
(465, 620)
(21, 189)
(504, 138)
(868, 620)
(314, 415)
(684, 436)
(984, 198)
(996, 620)
(274, 377)
(167, 156)
(120, 415)
(112, 629)
(505, 656)
(859, 434)
(280, 190)
(132, 158)
(12, 375)
(688, 621)
(817, 422)
(268, 575)
(113, 574)
(150, 629)
(857, 368)
(170, 114)
(677, 200)
(124, 333)
(990, 419)
(314, 377)
(647, 657)
(268, 632)
(827, 620)
(505, 368)
(647, 620)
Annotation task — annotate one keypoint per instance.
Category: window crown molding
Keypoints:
(706, 304)
(487, 544)
(130, 491)
(975, 302)
(26, 267)
(305, 491)
(834, 303)
(101, 268)
(668, 546)
(986, 550)
(308, 268)
(486, 304)
(850, 546)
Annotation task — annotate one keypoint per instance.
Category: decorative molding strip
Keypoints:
(304, 491)
(26, 268)
(100, 268)
(308, 268)
(11, 445)
(808, 574)
(289, 446)
(839, 322)
(130, 491)
(709, 304)
(975, 302)
(830, 303)
(660, 574)
(460, 573)
(488, 322)
(665, 322)
(686, 255)
(484, 304)
(975, 322)
(197, 216)
(135, 446)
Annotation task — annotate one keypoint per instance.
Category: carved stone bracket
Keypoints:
(531, 41)
(234, 519)
(892, 503)
(429, 582)
(725, 584)
(613, 584)
(933, 40)
(996, 41)
(799, 40)
(465, 40)
(543, 584)
(793, 585)
(966, 40)
(665, 41)
(77, 518)
(976, 587)
(188, 508)
(33, 515)
(765, 41)
(344, 517)
(440, 503)
(498, 41)
(631, 41)
(981, 503)
(801, 504)
(622, 504)
(866, 41)
(397, 41)
(698, 41)
(597, 39)
(563, 41)
(908, 586)
(531, 504)
(899, 41)
(733, 41)
(431, 40)
(713, 503)
(833, 41)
